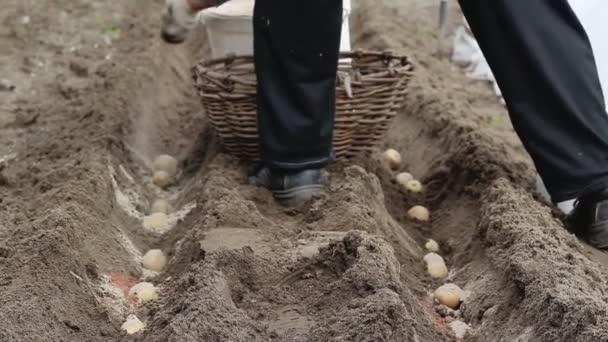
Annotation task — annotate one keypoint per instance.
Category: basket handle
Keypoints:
(346, 79)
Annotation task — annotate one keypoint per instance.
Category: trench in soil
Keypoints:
(347, 267)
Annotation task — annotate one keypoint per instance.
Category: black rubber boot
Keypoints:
(290, 188)
(589, 218)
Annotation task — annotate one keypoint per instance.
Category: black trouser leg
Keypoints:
(296, 46)
(543, 62)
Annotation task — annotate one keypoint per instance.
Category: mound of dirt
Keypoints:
(550, 290)
(349, 291)
(99, 96)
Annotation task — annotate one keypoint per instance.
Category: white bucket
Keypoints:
(345, 36)
(230, 28)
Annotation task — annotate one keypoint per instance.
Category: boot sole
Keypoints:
(297, 196)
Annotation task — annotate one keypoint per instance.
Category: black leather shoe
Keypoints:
(293, 189)
(589, 218)
(290, 189)
(260, 176)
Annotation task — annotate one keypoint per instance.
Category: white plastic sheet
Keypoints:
(592, 14)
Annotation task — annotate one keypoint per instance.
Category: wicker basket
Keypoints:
(370, 90)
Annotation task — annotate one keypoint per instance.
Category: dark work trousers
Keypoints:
(296, 44)
(543, 62)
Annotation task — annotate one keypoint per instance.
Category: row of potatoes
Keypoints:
(450, 295)
(407, 184)
(165, 170)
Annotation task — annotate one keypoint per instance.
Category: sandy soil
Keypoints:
(97, 96)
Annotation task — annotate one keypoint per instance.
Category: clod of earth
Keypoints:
(133, 325)
(449, 295)
(160, 205)
(166, 163)
(419, 213)
(392, 158)
(309, 251)
(154, 260)
(6, 85)
(436, 266)
(161, 179)
(459, 328)
(432, 246)
(122, 281)
(155, 222)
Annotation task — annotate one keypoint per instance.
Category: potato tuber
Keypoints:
(392, 158)
(133, 325)
(160, 206)
(154, 260)
(436, 266)
(419, 213)
(147, 295)
(449, 295)
(403, 178)
(413, 186)
(144, 292)
(166, 163)
(161, 179)
(432, 246)
(155, 222)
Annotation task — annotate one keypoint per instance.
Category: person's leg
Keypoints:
(296, 55)
(544, 65)
(543, 62)
(296, 47)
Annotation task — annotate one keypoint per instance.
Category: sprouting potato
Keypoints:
(161, 179)
(419, 213)
(436, 266)
(155, 222)
(166, 163)
(160, 205)
(449, 295)
(432, 246)
(154, 260)
(392, 158)
(133, 325)
(413, 186)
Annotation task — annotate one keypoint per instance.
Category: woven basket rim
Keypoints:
(370, 87)
(388, 56)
